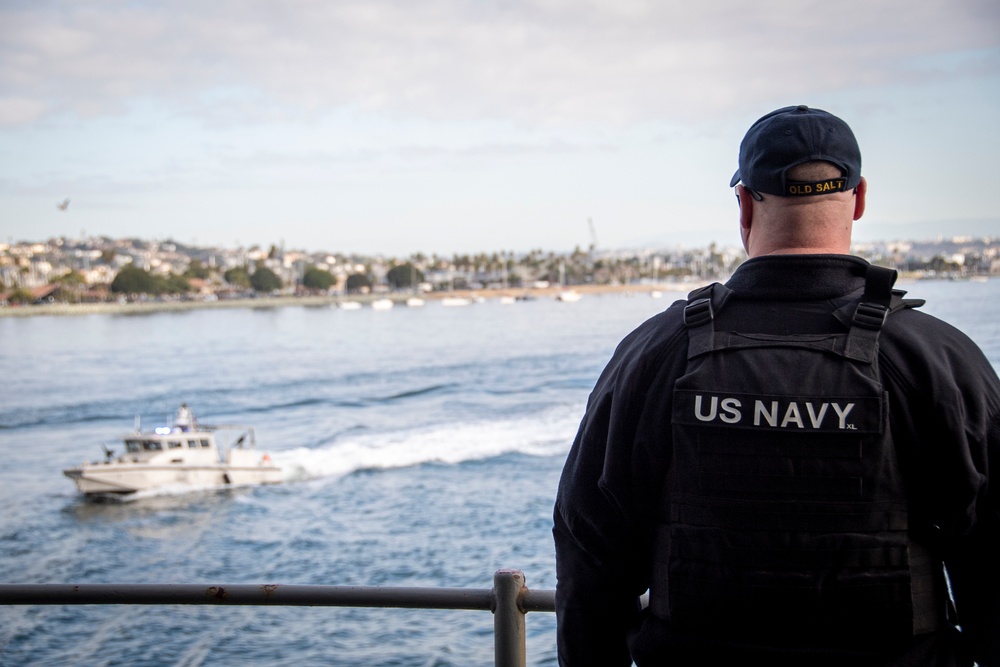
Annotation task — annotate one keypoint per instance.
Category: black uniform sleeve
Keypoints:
(602, 515)
(945, 399)
(973, 558)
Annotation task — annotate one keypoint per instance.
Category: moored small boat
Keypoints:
(569, 296)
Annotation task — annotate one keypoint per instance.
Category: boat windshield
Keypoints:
(135, 446)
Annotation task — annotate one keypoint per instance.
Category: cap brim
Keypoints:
(736, 179)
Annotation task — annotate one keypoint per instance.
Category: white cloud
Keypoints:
(470, 124)
(19, 110)
(535, 61)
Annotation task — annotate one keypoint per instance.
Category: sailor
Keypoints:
(794, 465)
(185, 418)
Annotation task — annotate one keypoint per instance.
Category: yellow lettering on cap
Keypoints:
(818, 188)
(830, 186)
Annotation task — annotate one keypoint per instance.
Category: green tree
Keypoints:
(943, 265)
(357, 282)
(133, 280)
(237, 277)
(265, 280)
(316, 278)
(20, 296)
(404, 275)
(196, 270)
(173, 285)
(70, 278)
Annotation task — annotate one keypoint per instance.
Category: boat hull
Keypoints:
(125, 478)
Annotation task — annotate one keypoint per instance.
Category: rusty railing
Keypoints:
(509, 600)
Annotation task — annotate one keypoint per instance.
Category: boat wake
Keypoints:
(546, 434)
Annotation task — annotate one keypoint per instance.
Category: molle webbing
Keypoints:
(784, 511)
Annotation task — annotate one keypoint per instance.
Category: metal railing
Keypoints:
(509, 600)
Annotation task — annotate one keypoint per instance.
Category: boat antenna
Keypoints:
(138, 424)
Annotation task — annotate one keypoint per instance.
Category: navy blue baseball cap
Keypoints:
(791, 136)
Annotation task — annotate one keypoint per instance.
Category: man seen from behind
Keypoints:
(795, 465)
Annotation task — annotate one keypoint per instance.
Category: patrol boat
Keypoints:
(178, 457)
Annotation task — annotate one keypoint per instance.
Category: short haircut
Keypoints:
(810, 172)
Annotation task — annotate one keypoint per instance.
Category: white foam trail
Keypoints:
(546, 434)
(174, 490)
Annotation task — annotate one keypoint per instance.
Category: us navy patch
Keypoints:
(825, 414)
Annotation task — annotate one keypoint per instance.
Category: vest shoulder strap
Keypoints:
(699, 316)
(864, 315)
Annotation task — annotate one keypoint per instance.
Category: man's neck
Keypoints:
(803, 250)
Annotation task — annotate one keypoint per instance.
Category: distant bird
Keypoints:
(63, 205)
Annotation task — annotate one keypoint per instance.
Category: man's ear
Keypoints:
(746, 215)
(860, 193)
(746, 207)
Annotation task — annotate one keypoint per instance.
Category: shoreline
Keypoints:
(144, 307)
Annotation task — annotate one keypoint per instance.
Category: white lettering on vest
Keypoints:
(697, 409)
(766, 413)
(731, 407)
(842, 413)
(816, 419)
(792, 416)
(760, 411)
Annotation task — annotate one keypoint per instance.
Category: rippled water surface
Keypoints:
(422, 447)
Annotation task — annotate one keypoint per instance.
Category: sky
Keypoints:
(461, 126)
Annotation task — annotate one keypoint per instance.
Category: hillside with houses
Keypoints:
(101, 269)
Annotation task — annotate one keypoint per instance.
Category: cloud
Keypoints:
(20, 110)
(533, 61)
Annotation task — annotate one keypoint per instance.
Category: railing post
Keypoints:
(508, 619)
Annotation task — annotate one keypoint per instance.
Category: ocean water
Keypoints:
(422, 447)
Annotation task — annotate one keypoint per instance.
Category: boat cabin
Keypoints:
(135, 445)
(166, 445)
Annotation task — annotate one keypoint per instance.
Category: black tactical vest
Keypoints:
(785, 519)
